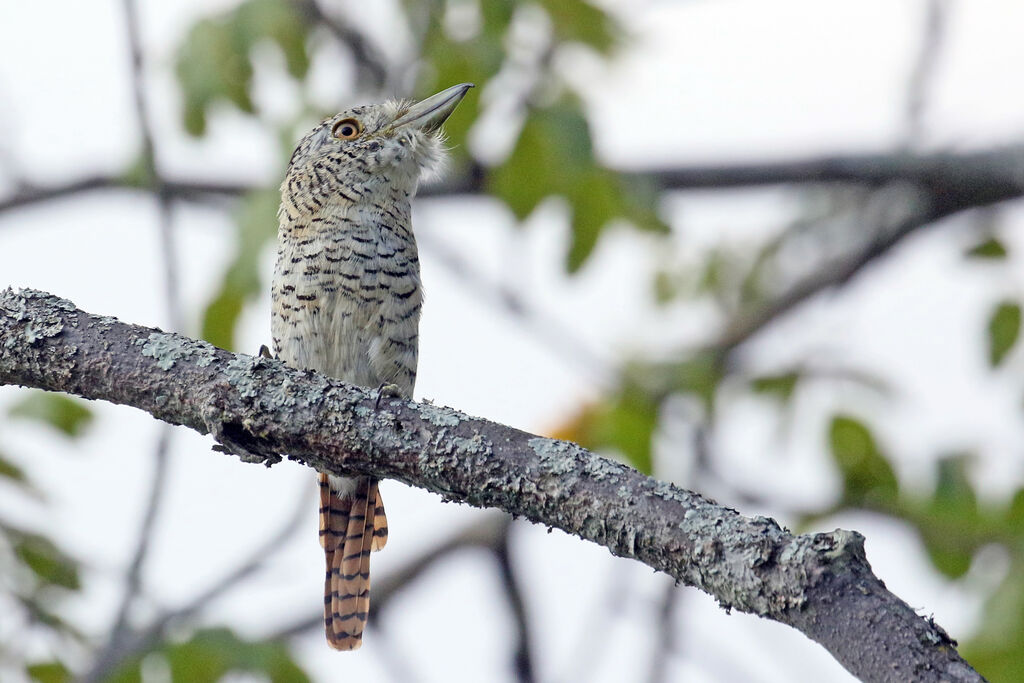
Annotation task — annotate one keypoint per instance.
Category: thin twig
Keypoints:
(490, 533)
(370, 63)
(133, 579)
(598, 628)
(925, 66)
(149, 160)
(109, 655)
(391, 656)
(552, 333)
(143, 639)
(666, 635)
(933, 200)
(524, 659)
(486, 533)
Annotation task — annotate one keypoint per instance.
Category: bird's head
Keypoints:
(368, 149)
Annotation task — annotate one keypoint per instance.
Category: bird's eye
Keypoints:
(346, 129)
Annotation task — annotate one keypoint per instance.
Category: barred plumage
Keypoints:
(346, 300)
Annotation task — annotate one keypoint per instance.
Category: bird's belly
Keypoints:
(366, 341)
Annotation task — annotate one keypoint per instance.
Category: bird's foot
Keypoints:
(265, 352)
(232, 439)
(389, 390)
(235, 439)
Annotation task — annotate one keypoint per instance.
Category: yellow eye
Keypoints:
(346, 129)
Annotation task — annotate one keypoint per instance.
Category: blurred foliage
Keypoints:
(37, 575)
(213, 654)
(552, 156)
(623, 423)
(867, 476)
(989, 248)
(215, 60)
(257, 225)
(43, 559)
(68, 415)
(49, 672)
(1003, 331)
(12, 472)
(780, 386)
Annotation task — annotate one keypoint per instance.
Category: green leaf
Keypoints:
(529, 174)
(868, 478)
(49, 672)
(990, 248)
(624, 422)
(1003, 331)
(951, 524)
(68, 415)
(995, 648)
(596, 199)
(579, 21)
(666, 287)
(715, 272)
(128, 671)
(40, 615)
(214, 61)
(8, 470)
(281, 22)
(628, 426)
(1015, 512)
(446, 62)
(497, 15)
(221, 316)
(212, 67)
(256, 225)
(699, 375)
(44, 559)
(554, 156)
(213, 653)
(779, 386)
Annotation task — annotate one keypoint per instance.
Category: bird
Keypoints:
(346, 299)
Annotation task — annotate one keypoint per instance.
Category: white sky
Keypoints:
(702, 81)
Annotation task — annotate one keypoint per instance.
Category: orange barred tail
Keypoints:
(350, 528)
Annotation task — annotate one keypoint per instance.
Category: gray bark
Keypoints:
(262, 411)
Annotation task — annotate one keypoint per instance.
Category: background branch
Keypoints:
(259, 409)
(140, 640)
(109, 655)
(956, 180)
(925, 66)
(370, 64)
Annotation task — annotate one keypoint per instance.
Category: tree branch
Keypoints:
(370, 64)
(523, 661)
(939, 190)
(135, 643)
(967, 179)
(258, 408)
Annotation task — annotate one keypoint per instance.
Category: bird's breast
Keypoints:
(346, 302)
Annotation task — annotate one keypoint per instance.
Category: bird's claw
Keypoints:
(265, 352)
(235, 439)
(386, 389)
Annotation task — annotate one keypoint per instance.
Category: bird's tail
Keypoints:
(350, 527)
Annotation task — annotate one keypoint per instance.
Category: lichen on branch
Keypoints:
(261, 410)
